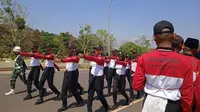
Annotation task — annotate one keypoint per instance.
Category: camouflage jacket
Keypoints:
(19, 66)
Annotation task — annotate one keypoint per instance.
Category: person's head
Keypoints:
(72, 49)
(191, 46)
(114, 52)
(177, 43)
(98, 50)
(164, 33)
(120, 56)
(135, 54)
(17, 50)
(48, 49)
(34, 48)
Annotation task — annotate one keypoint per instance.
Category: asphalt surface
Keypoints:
(15, 103)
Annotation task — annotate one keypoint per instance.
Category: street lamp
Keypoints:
(109, 27)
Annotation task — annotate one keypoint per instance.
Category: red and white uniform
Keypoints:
(97, 69)
(197, 91)
(71, 63)
(120, 67)
(133, 66)
(34, 60)
(112, 62)
(128, 66)
(165, 75)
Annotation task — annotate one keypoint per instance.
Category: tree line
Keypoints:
(14, 31)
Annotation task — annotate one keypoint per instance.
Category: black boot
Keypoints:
(127, 102)
(29, 96)
(81, 91)
(58, 97)
(78, 104)
(39, 101)
(63, 108)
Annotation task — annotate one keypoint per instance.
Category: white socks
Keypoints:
(12, 92)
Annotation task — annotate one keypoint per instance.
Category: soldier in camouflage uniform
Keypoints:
(19, 70)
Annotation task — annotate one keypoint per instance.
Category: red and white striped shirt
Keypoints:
(165, 74)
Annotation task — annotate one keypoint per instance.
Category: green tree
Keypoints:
(105, 38)
(144, 44)
(128, 47)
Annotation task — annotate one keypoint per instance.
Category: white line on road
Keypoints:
(121, 108)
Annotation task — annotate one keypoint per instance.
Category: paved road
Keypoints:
(15, 102)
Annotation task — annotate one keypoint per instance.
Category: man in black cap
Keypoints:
(48, 74)
(96, 83)
(112, 70)
(166, 76)
(35, 70)
(190, 48)
(70, 80)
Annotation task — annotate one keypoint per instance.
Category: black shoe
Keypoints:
(114, 106)
(81, 91)
(28, 97)
(40, 101)
(44, 91)
(58, 97)
(127, 102)
(107, 109)
(63, 108)
(78, 104)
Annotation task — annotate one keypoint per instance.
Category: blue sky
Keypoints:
(129, 18)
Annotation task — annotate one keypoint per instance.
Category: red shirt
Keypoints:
(166, 74)
(197, 90)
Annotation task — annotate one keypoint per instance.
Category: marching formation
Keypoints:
(167, 77)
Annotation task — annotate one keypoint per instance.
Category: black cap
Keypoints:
(120, 54)
(192, 43)
(115, 50)
(34, 46)
(135, 51)
(99, 47)
(163, 27)
(48, 46)
(71, 46)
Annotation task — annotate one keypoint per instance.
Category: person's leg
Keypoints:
(91, 91)
(115, 87)
(41, 85)
(50, 78)
(129, 78)
(29, 84)
(98, 85)
(79, 87)
(73, 88)
(110, 77)
(12, 83)
(22, 77)
(122, 88)
(65, 87)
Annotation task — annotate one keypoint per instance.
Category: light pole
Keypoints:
(109, 27)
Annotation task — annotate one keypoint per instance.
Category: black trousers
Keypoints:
(120, 84)
(130, 80)
(90, 76)
(105, 71)
(70, 83)
(96, 84)
(111, 73)
(48, 75)
(172, 106)
(78, 84)
(33, 77)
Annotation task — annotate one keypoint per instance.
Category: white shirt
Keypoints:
(76, 65)
(35, 62)
(128, 66)
(112, 63)
(133, 66)
(92, 63)
(97, 70)
(70, 66)
(49, 63)
(120, 70)
(106, 64)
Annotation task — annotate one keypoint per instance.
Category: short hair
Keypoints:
(164, 37)
(177, 41)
